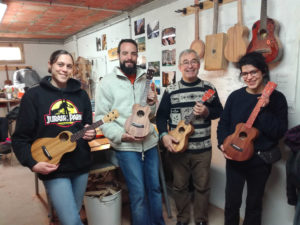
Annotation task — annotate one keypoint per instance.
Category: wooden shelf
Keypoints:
(2, 68)
(206, 5)
(103, 167)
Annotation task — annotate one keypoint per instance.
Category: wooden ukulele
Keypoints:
(214, 49)
(237, 42)
(8, 81)
(51, 150)
(185, 129)
(138, 124)
(197, 44)
(265, 37)
(239, 145)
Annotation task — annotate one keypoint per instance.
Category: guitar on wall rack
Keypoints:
(185, 129)
(138, 124)
(265, 37)
(239, 145)
(214, 45)
(51, 150)
(237, 42)
(197, 44)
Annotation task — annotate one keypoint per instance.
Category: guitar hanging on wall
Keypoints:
(265, 37)
(197, 44)
(185, 129)
(237, 42)
(138, 124)
(239, 145)
(51, 150)
(214, 48)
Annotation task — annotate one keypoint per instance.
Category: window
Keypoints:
(11, 53)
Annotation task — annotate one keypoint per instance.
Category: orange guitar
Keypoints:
(265, 37)
(138, 124)
(185, 129)
(51, 150)
(239, 145)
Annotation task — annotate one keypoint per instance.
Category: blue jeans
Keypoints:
(142, 179)
(66, 195)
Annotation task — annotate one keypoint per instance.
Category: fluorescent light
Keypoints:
(2, 10)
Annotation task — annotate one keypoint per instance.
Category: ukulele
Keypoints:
(51, 150)
(185, 129)
(138, 124)
(197, 44)
(239, 145)
(8, 81)
(214, 49)
(237, 42)
(265, 37)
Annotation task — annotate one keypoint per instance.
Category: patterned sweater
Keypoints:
(177, 103)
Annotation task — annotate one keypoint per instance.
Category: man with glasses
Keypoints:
(179, 101)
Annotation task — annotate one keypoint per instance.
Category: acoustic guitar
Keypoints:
(185, 129)
(265, 37)
(138, 124)
(239, 145)
(215, 43)
(197, 44)
(51, 150)
(237, 42)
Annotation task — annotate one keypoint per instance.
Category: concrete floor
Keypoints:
(19, 204)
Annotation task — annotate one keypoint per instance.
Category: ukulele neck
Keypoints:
(145, 93)
(79, 134)
(263, 15)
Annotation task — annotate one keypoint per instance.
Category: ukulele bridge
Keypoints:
(236, 147)
(137, 125)
(46, 153)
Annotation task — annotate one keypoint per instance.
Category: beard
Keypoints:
(128, 70)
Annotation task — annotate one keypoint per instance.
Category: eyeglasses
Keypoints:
(252, 73)
(193, 62)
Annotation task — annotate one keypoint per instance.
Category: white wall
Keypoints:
(286, 73)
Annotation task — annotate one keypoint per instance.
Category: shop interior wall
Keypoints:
(285, 74)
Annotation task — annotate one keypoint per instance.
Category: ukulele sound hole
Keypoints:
(213, 51)
(263, 33)
(63, 137)
(140, 113)
(181, 130)
(243, 135)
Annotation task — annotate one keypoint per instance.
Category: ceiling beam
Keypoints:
(66, 5)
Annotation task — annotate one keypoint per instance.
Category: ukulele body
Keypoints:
(182, 133)
(56, 147)
(199, 47)
(138, 124)
(266, 41)
(237, 42)
(239, 145)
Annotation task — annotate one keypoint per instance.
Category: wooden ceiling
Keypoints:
(58, 19)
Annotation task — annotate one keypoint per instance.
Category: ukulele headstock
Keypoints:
(110, 116)
(150, 74)
(207, 95)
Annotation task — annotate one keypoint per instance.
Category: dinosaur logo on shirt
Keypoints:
(63, 113)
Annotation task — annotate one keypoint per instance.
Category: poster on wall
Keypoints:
(153, 29)
(113, 54)
(157, 86)
(104, 42)
(141, 61)
(168, 77)
(168, 57)
(139, 26)
(98, 44)
(156, 67)
(168, 36)
(141, 44)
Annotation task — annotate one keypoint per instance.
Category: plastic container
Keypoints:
(104, 210)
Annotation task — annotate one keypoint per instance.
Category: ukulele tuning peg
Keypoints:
(200, 5)
(181, 11)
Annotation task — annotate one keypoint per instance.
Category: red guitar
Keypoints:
(138, 124)
(239, 145)
(265, 37)
(184, 128)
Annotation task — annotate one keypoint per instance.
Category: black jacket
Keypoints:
(45, 111)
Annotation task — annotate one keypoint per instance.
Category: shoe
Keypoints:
(202, 223)
(180, 223)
